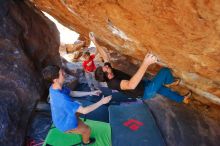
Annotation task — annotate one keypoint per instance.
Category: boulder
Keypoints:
(28, 42)
(184, 35)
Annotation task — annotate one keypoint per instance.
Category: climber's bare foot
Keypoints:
(175, 83)
(187, 97)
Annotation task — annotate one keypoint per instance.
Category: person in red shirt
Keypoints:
(89, 68)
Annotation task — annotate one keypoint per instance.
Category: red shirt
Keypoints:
(89, 67)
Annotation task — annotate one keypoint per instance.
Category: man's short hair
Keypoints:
(100, 75)
(86, 53)
(50, 73)
(108, 64)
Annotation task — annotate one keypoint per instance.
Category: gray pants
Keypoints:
(90, 77)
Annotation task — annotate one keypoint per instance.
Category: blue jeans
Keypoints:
(164, 76)
(90, 78)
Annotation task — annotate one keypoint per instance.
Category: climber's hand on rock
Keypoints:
(92, 37)
(150, 59)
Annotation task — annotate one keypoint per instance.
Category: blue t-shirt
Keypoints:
(63, 109)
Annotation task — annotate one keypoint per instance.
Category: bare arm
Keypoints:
(88, 109)
(88, 64)
(103, 54)
(99, 48)
(79, 45)
(96, 52)
(83, 93)
(136, 78)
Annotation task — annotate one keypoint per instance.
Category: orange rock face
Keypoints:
(185, 35)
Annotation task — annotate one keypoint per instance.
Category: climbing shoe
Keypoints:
(91, 141)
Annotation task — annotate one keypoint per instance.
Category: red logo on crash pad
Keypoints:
(133, 124)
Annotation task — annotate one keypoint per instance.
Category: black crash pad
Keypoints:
(133, 125)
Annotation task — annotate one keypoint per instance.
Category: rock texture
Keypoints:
(185, 35)
(183, 125)
(28, 42)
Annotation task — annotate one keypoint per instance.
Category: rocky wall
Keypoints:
(28, 42)
(185, 35)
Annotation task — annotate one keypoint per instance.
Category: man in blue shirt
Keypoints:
(64, 108)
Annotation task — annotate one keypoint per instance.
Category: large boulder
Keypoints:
(183, 34)
(185, 125)
(28, 42)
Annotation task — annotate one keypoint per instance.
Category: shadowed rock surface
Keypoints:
(182, 125)
(28, 42)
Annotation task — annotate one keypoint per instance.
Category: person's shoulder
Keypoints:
(92, 56)
(116, 71)
(65, 88)
(121, 72)
(114, 80)
(114, 83)
(52, 90)
(84, 63)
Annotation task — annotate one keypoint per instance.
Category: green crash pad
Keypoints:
(100, 131)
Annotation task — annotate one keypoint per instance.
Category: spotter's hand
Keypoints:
(96, 92)
(106, 99)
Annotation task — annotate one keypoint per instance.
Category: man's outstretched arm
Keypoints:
(99, 48)
(136, 78)
(79, 45)
(83, 93)
(90, 108)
